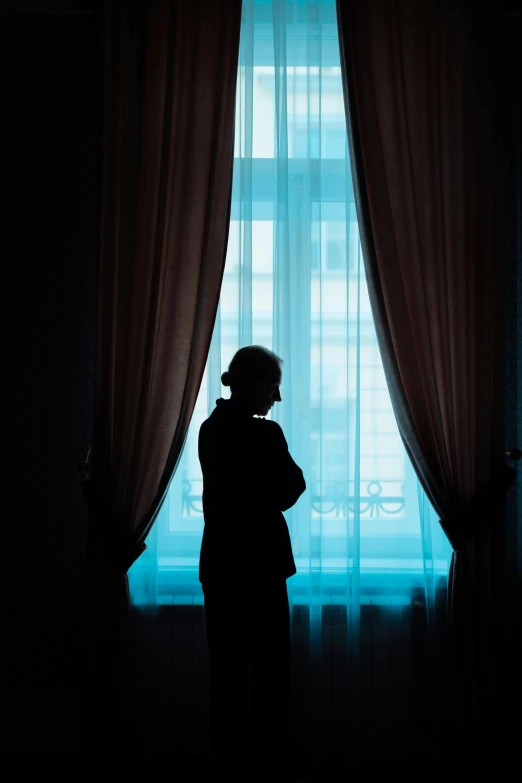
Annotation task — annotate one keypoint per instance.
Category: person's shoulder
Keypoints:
(216, 415)
(207, 424)
(205, 430)
(210, 423)
(272, 426)
(272, 429)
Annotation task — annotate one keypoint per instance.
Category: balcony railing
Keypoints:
(335, 498)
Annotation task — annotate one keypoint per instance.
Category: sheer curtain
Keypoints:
(364, 531)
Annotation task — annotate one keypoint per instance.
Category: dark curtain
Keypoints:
(169, 82)
(420, 97)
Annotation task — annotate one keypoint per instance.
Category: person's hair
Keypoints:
(252, 363)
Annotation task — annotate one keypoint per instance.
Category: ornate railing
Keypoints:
(191, 501)
(335, 498)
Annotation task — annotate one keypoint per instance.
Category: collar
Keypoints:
(237, 407)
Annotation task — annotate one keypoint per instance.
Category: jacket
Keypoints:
(249, 479)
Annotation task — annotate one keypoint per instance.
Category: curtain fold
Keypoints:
(169, 82)
(419, 83)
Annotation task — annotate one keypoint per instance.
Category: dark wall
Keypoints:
(512, 143)
(49, 172)
(512, 139)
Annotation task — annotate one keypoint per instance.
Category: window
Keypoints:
(294, 282)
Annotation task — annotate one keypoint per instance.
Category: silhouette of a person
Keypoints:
(249, 479)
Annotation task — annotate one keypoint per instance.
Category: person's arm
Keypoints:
(289, 483)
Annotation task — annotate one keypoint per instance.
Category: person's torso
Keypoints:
(245, 533)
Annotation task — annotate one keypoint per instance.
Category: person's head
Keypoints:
(254, 376)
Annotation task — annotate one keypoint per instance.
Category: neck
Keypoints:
(243, 404)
